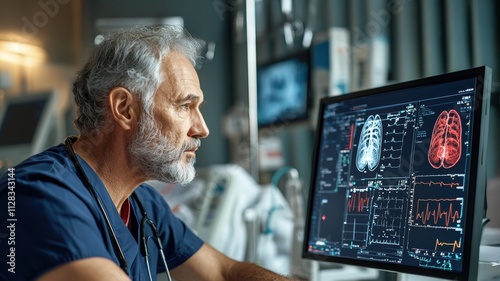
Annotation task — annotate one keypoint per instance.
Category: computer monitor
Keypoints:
(25, 125)
(398, 177)
(283, 90)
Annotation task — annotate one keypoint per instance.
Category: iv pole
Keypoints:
(252, 88)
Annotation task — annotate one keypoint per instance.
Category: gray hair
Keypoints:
(130, 59)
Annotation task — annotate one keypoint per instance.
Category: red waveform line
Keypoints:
(449, 215)
(455, 244)
(356, 201)
(351, 136)
(440, 183)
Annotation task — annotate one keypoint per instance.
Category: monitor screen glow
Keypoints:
(398, 181)
(283, 90)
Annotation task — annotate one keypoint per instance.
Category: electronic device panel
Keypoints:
(283, 90)
(398, 179)
(25, 125)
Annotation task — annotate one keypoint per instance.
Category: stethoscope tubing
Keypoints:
(145, 219)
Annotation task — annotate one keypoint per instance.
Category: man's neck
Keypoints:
(111, 161)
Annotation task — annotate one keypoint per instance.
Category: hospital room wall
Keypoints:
(53, 43)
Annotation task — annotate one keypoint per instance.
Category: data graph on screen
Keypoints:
(392, 177)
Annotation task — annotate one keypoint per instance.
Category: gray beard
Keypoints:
(158, 158)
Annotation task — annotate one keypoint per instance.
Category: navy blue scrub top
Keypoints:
(55, 220)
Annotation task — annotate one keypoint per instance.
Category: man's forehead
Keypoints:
(174, 57)
(176, 64)
(179, 78)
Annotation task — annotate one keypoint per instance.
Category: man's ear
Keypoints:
(123, 107)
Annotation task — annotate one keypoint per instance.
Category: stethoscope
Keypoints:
(144, 221)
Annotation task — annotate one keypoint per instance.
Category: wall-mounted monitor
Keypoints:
(283, 90)
(398, 177)
(26, 123)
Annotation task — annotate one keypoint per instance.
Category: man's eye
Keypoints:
(185, 106)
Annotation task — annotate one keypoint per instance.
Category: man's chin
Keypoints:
(189, 157)
(186, 176)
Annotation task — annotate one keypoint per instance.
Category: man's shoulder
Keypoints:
(54, 154)
(51, 164)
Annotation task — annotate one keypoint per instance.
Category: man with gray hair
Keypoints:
(83, 211)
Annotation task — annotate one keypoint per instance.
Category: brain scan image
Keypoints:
(370, 143)
(446, 141)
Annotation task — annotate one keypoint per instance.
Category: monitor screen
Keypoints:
(20, 121)
(25, 123)
(398, 181)
(283, 90)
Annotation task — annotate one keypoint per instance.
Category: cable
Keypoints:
(86, 182)
(292, 197)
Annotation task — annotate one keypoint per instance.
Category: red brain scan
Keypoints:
(446, 140)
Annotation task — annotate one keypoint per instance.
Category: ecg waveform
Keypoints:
(455, 244)
(392, 149)
(393, 140)
(394, 132)
(388, 209)
(395, 124)
(357, 202)
(435, 214)
(440, 183)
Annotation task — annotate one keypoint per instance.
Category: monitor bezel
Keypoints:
(475, 217)
(300, 54)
